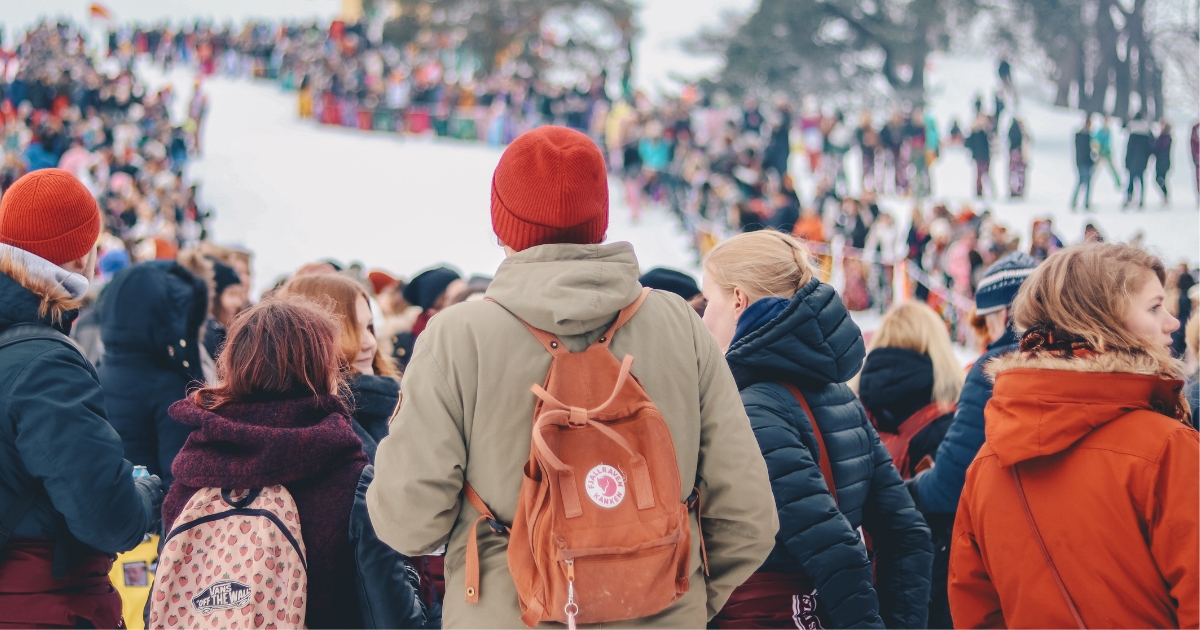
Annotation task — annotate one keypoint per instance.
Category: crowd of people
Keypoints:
(98, 121)
(576, 439)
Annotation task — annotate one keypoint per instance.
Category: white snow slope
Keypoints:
(294, 191)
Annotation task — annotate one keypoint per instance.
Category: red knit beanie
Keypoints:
(550, 187)
(50, 214)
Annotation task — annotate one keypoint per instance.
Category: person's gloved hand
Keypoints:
(151, 490)
(910, 484)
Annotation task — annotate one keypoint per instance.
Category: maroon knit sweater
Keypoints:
(306, 444)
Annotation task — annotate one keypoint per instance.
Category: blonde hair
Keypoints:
(914, 326)
(1085, 291)
(763, 264)
(340, 295)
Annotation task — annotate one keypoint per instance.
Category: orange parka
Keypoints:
(1112, 478)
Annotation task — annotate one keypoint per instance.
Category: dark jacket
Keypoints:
(811, 342)
(1139, 146)
(305, 444)
(979, 145)
(151, 315)
(1083, 149)
(1162, 153)
(386, 583)
(895, 384)
(53, 427)
(938, 489)
(375, 398)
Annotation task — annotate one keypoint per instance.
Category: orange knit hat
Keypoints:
(50, 214)
(550, 187)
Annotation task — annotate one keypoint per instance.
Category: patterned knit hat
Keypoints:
(51, 214)
(550, 187)
(1001, 282)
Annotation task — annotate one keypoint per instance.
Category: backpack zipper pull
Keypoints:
(571, 609)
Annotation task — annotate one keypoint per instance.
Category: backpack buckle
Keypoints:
(497, 527)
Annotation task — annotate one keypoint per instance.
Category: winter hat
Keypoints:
(550, 187)
(425, 289)
(112, 261)
(381, 281)
(1001, 281)
(224, 276)
(50, 214)
(676, 282)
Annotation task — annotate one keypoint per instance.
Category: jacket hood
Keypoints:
(374, 395)
(155, 309)
(811, 340)
(33, 289)
(568, 289)
(895, 384)
(254, 444)
(1043, 404)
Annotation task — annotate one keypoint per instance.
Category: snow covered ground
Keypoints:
(294, 191)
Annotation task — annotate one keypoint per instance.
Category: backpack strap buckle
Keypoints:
(497, 527)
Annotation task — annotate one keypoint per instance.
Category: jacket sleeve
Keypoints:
(386, 582)
(66, 442)
(810, 525)
(738, 517)
(1174, 522)
(939, 488)
(974, 601)
(903, 544)
(416, 496)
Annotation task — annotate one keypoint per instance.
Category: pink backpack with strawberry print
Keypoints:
(233, 559)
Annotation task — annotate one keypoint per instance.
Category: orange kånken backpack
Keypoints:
(600, 533)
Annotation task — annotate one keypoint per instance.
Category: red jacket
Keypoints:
(1113, 485)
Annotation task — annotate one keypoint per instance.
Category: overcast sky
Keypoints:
(664, 23)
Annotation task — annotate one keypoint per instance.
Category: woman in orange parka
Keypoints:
(1089, 445)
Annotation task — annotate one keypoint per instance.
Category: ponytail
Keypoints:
(762, 264)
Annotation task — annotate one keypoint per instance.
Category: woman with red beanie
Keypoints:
(276, 415)
(1081, 509)
(467, 407)
(68, 499)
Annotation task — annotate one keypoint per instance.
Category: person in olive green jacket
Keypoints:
(467, 412)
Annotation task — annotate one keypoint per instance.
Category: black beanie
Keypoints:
(224, 276)
(425, 289)
(676, 282)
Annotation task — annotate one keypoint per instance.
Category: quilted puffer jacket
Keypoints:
(811, 342)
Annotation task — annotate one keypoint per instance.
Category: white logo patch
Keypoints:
(605, 485)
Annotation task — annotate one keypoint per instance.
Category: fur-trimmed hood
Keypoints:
(1043, 403)
(32, 289)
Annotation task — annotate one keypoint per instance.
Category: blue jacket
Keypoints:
(53, 427)
(151, 315)
(938, 489)
(811, 342)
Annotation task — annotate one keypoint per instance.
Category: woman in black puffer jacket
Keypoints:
(782, 328)
(372, 376)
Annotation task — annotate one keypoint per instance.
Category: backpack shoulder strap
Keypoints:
(623, 317)
(548, 340)
(826, 468)
(472, 568)
(1037, 535)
